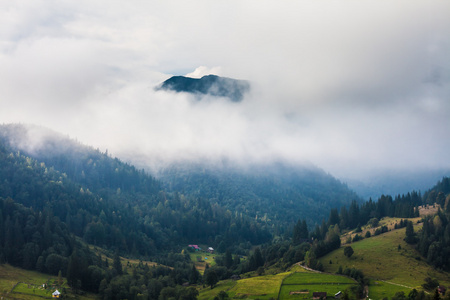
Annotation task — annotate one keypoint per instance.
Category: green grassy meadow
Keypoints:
(32, 290)
(386, 257)
(10, 276)
(280, 286)
(316, 278)
(380, 289)
(208, 293)
(303, 291)
(261, 287)
(302, 285)
(16, 283)
(204, 258)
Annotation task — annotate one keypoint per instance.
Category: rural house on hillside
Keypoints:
(319, 295)
(56, 294)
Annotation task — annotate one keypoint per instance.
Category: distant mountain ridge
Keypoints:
(208, 85)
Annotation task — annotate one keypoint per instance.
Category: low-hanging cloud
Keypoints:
(350, 87)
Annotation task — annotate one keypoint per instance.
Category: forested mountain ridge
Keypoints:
(276, 192)
(82, 164)
(107, 202)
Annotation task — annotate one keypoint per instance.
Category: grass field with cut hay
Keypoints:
(262, 287)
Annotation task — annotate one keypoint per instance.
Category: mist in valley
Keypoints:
(358, 89)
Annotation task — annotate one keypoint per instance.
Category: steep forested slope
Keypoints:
(277, 193)
(433, 240)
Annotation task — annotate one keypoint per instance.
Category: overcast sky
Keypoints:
(351, 86)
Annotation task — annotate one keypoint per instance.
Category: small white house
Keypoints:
(210, 249)
(56, 294)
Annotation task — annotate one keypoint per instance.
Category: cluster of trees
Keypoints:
(439, 193)
(416, 295)
(358, 275)
(404, 206)
(433, 241)
(157, 282)
(33, 240)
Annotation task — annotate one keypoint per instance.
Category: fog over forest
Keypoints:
(355, 88)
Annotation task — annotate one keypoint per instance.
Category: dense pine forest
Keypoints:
(60, 197)
(276, 192)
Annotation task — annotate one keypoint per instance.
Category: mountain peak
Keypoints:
(212, 85)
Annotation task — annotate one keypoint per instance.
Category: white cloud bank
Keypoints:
(351, 86)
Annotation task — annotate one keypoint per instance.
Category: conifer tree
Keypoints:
(410, 235)
(117, 265)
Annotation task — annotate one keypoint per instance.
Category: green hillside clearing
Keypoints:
(386, 257)
(16, 283)
(262, 287)
(298, 280)
(302, 285)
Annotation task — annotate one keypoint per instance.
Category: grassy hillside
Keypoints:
(260, 287)
(202, 258)
(297, 283)
(17, 283)
(386, 257)
(391, 264)
(301, 285)
(425, 210)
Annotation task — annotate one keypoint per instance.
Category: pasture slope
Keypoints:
(387, 260)
(390, 263)
(16, 283)
(297, 283)
(302, 285)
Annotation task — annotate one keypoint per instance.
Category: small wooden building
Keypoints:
(319, 295)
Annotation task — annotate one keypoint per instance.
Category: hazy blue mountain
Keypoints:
(208, 85)
(396, 182)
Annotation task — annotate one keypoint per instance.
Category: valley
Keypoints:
(96, 227)
(225, 150)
